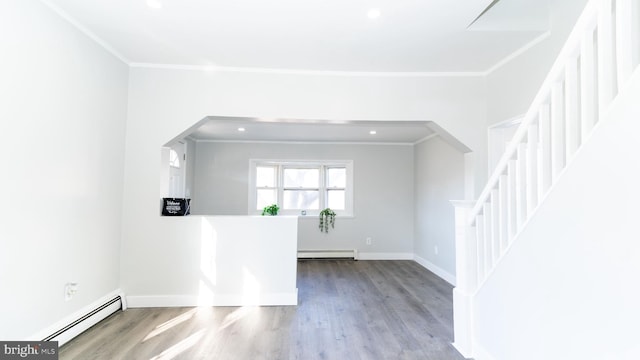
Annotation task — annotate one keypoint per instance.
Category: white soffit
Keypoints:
(217, 128)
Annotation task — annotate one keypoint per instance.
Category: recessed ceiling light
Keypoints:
(241, 129)
(372, 132)
(154, 4)
(373, 13)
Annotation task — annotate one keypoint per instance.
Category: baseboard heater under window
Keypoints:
(86, 321)
(328, 254)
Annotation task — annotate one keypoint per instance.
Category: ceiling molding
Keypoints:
(485, 73)
(71, 20)
(426, 138)
(309, 72)
(214, 68)
(518, 52)
(305, 142)
(508, 123)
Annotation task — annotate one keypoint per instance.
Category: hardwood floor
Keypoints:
(347, 310)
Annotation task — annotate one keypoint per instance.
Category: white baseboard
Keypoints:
(384, 256)
(445, 275)
(463, 353)
(479, 353)
(269, 299)
(328, 254)
(49, 330)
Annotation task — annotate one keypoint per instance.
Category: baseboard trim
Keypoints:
(480, 353)
(445, 275)
(46, 332)
(384, 256)
(269, 299)
(328, 254)
(463, 353)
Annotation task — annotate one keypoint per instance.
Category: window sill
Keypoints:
(315, 217)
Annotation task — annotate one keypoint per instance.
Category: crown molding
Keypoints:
(518, 52)
(75, 23)
(426, 138)
(280, 142)
(307, 72)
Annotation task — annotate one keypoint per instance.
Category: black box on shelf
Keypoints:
(175, 206)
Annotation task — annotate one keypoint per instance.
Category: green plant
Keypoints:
(327, 217)
(271, 210)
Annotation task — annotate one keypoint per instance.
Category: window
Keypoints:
(298, 186)
(301, 188)
(266, 189)
(174, 159)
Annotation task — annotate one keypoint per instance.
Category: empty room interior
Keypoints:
(321, 180)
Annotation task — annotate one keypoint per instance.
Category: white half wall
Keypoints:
(233, 261)
(439, 178)
(568, 286)
(64, 103)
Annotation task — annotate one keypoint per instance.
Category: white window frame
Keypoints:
(282, 164)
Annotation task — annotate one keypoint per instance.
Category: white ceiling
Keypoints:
(313, 35)
(410, 36)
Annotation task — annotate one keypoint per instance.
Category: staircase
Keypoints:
(593, 69)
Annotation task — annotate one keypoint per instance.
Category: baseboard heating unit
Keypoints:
(328, 254)
(84, 322)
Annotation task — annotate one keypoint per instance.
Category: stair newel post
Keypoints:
(466, 276)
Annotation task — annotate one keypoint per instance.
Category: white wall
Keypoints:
(240, 260)
(164, 103)
(512, 87)
(62, 123)
(383, 191)
(568, 287)
(439, 178)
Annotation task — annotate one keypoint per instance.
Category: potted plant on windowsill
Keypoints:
(271, 210)
(327, 217)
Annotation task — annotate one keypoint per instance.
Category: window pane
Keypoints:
(265, 176)
(265, 197)
(298, 199)
(174, 159)
(305, 178)
(335, 199)
(337, 177)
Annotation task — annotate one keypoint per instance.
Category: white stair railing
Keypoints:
(598, 58)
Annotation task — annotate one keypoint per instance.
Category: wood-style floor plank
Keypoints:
(347, 310)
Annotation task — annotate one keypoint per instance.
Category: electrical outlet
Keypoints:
(435, 249)
(70, 289)
(368, 241)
